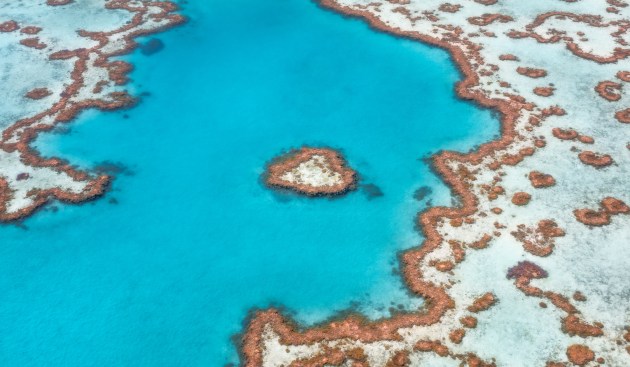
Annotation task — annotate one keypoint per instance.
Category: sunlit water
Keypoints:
(163, 270)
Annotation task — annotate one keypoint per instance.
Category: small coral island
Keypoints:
(312, 172)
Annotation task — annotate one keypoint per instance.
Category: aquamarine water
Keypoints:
(165, 268)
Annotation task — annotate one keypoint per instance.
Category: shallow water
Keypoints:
(165, 268)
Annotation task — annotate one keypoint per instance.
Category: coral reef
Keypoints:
(28, 181)
(312, 172)
(503, 50)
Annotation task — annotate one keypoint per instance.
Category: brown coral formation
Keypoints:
(614, 206)
(328, 357)
(563, 134)
(38, 93)
(579, 354)
(469, 322)
(22, 176)
(432, 346)
(531, 72)
(508, 57)
(586, 139)
(608, 206)
(58, 2)
(483, 303)
(486, 2)
(538, 241)
(596, 160)
(570, 134)
(521, 198)
(573, 326)
(450, 8)
(399, 359)
(485, 19)
(544, 91)
(527, 270)
(9, 26)
(609, 90)
(33, 43)
(623, 116)
(333, 163)
(541, 180)
(591, 217)
(619, 53)
(578, 296)
(457, 335)
(30, 30)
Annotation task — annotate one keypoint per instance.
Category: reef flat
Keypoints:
(531, 268)
(312, 172)
(51, 72)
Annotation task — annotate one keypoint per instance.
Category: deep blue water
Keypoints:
(163, 270)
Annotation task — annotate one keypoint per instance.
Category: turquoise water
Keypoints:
(164, 269)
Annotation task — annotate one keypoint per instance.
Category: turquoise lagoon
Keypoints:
(163, 270)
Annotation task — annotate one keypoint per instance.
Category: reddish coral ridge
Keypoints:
(508, 57)
(486, 19)
(570, 134)
(623, 116)
(580, 355)
(521, 198)
(531, 72)
(538, 241)
(399, 359)
(33, 43)
(544, 91)
(58, 2)
(290, 161)
(457, 335)
(609, 90)
(38, 93)
(614, 206)
(562, 134)
(524, 272)
(572, 325)
(22, 176)
(486, 2)
(601, 217)
(619, 53)
(624, 75)
(483, 303)
(9, 26)
(469, 322)
(591, 217)
(527, 270)
(578, 296)
(30, 30)
(596, 160)
(449, 8)
(540, 180)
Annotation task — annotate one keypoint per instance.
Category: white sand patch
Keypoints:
(315, 172)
